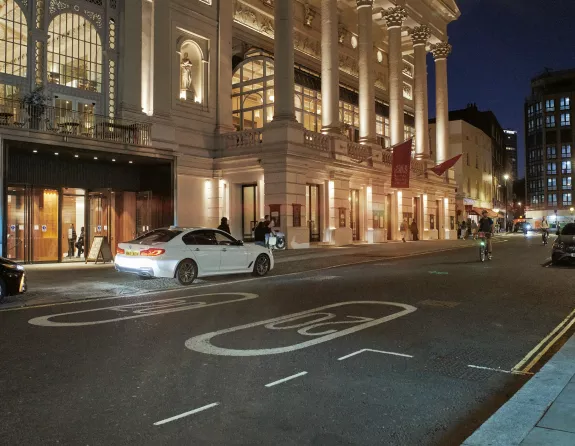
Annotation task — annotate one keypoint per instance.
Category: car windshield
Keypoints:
(569, 229)
(156, 236)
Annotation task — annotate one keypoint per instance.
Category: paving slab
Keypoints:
(568, 395)
(540, 437)
(560, 417)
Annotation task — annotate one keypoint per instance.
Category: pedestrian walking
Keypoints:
(474, 229)
(71, 241)
(414, 231)
(224, 226)
(403, 230)
(80, 243)
(463, 230)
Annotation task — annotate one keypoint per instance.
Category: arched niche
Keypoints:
(193, 72)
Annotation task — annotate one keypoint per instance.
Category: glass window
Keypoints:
(551, 183)
(156, 236)
(565, 166)
(539, 122)
(566, 182)
(565, 119)
(552, 199)
(565, 103)
(566, 151)
(551, 152)
(224, 239)
(13, 39)
(550, 121)
(550, 105)
(551, 168)
(567, 198)
(74, 53)
(204, 237)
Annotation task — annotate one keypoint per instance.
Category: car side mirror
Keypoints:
(239, 243)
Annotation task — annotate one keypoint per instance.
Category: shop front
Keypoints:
(57, 200)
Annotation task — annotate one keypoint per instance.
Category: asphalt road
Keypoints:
(204, 366)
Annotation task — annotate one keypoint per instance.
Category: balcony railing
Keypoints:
(317, 141)
(245, 138)
(15, 114)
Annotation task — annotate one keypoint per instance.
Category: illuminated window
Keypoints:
(550, 105)
(567, 198)
(566, 151)
(552, 199)
(565, 103)
(551, 168)
(551, 183)
(13, 39)
(565, 119)
(551, 153)
(549, 121)
(566, 183)
(565, 166)
(74, 53)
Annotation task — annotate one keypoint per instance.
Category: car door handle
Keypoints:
(197, 249)
(224, 250)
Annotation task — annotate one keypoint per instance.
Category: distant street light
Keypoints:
(506, 177)
(519, 204)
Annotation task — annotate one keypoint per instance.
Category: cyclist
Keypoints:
(486, 226)
(544, 228)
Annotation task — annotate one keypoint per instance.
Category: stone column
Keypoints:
(130, 69)
(366, 73)
(420, 35)
(224, 121)
(440, 52)
(329, 67)
(394, 18)
(284, 82)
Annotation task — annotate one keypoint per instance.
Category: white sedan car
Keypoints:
(187, 253)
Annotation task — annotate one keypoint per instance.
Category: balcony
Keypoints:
(15, 114)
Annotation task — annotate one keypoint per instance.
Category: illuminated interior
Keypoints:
(13, 39)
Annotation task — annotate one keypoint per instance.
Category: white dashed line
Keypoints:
(185, 414)
(489, 368)
(283, 380)
(373, 351)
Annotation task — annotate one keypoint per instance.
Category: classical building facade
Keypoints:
(549, 139)
(185, 111)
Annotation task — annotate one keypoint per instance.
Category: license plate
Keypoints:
(132, 253)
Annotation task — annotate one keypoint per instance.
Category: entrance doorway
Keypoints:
(312, 206)
(249, 211)
(354, 214)
(72, 216)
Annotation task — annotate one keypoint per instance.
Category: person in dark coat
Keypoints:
(414, 230)
(261, 232)
(224, 226)
(80, 243)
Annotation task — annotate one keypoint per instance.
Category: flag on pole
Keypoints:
(440, 169)
(401, 165)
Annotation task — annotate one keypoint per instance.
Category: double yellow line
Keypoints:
(527, 363)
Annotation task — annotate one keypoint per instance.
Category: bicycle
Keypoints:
(483, 252)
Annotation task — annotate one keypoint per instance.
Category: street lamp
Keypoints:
(506, 177)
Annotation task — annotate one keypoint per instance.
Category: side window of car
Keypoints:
(189, 239)
(223, 239)
(205, 238)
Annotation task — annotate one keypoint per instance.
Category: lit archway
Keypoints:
(74, 53)
(13, 39)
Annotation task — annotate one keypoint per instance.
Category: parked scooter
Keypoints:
(277, 240)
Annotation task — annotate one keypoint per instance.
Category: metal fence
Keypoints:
(15, 113)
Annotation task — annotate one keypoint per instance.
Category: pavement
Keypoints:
(359, 348)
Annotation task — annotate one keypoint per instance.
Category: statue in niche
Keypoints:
(186, 68)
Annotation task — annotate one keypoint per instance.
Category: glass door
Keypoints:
(73, 214)
(143, 212)
(18, 224)
(354, 214)
(99, 216)
(249, 211)
(45, 228)
(312, 207)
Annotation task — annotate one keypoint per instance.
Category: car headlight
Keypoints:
(19, 267)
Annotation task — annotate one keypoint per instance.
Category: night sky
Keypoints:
(498, 46)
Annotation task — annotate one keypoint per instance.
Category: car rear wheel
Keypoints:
(262, 265)
(186, 272)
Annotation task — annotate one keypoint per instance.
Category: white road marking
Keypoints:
(283, 380)
(185, 414)
(373, 351)
(489, 368)
(202, 343)
(141, 309)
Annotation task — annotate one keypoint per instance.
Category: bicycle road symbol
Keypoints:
(318, 328)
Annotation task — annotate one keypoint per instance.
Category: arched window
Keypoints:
(13, 39)
(74, 53)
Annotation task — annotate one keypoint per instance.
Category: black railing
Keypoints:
(15, 113)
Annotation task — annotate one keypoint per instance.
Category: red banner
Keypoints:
(440, 169)
(401, 165)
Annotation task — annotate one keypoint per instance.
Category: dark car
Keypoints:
(564, 246)
(12, 278)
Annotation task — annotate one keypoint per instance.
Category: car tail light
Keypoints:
(152, 252)
(120, 251)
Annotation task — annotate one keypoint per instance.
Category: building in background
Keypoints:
(549, 141)
(155, 112)
(511, 151)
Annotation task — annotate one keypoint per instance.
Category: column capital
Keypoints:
(364, 3)
(441, 50)
(395, 16)
(420, 35)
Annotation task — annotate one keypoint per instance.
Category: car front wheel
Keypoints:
(262, 265)
(186, 272)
